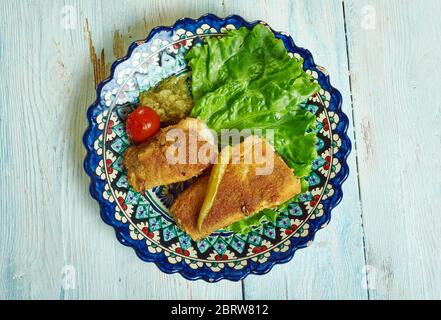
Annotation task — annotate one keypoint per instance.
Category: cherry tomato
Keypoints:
(142, 123)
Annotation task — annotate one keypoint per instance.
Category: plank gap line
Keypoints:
(355, 147)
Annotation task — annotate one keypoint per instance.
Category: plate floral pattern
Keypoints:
(142, 220)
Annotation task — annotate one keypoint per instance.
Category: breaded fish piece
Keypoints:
(240, 194)
(148, 164)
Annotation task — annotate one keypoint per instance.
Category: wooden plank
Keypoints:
(48, 220)
(395, 52)
(135, 22)
(333, 267)
(30, 233)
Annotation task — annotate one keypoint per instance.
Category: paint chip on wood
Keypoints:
(118, 44)
(100, 69)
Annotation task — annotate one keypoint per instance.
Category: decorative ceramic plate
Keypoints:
(143, 222)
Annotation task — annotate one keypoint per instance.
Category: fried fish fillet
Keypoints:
(168, 158)
(242, 191)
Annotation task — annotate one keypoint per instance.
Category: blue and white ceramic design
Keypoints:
(142, 221)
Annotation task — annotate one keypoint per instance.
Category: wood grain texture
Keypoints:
(333, 267)
(395, 72)
(48, 220)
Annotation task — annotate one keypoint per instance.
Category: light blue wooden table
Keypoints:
(384, 239)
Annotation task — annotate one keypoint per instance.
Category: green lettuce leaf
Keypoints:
(247, 80)
(246, 225)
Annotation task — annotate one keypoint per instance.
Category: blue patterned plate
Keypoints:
(143, 222)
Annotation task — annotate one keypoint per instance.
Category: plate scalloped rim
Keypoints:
(234, 275)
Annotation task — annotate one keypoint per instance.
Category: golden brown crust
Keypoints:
(241, 193)
(147, 164)
(186, 207)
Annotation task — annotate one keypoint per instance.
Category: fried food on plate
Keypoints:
(168, 156)
(241, 190)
